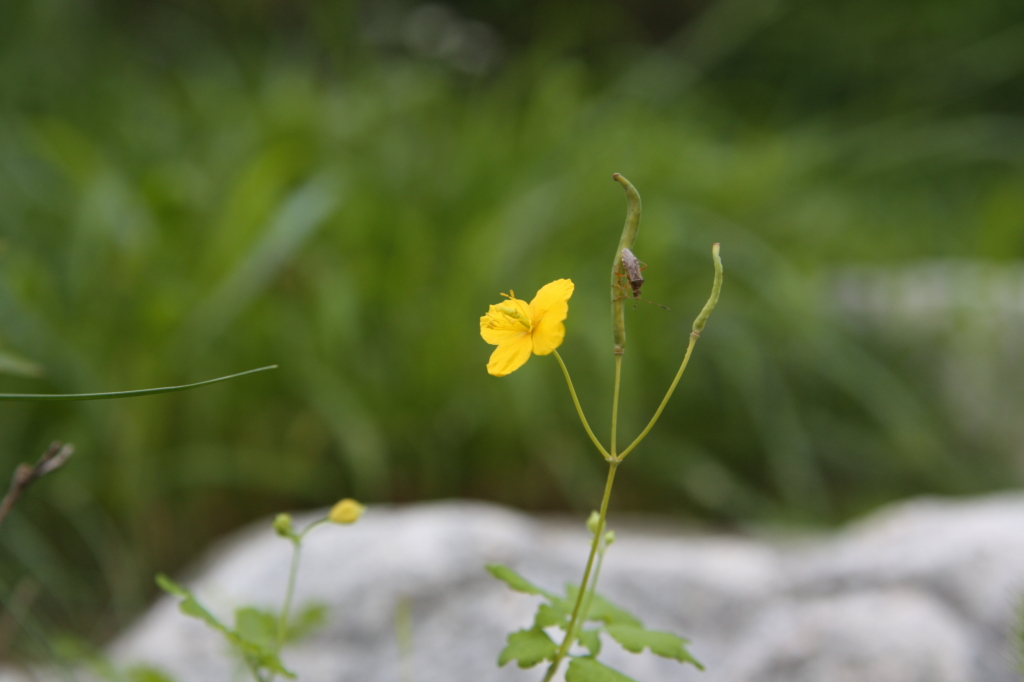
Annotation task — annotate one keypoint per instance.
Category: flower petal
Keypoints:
(497, 326)
(551, 295)
(550, 308)
(510, 356)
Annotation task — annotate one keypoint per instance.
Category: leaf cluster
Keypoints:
(534, 645)
(255, 635)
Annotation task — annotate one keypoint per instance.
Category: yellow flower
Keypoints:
(346, 511)
(519, 328)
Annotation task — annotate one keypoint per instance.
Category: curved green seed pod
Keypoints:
(629, 230)
(716, 289)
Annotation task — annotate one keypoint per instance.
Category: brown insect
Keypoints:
(633, 267)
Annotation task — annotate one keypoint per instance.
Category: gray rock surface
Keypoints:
(926, 590)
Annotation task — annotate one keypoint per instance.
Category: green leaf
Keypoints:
(262, 657)
(603, 610)
(311, 618)
(189, 605)
(528, 648)
(251, 620)
(516, 581)
(145, 673)
(591, 640)
(556, 613)
(256, 627)
(589, 670)
(665, 644)
(40, 397)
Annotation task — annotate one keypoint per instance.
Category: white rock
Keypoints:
(926, 591)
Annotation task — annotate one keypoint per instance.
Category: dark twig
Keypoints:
(54, 458)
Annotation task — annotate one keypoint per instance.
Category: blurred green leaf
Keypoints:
(589, 670)
(527, 648)
(255, 637)
(665, 644)
(145, 673)
(556, 613)
(516, 581)
(591, 639)
(256, 627)
(308, 620)
(603, 610)
(190, 606)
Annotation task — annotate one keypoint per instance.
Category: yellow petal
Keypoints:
(510, 356)
(550, 306)
(498, 325)
(550, 295)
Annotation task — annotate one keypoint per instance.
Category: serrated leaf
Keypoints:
(589, 670)
(603, 610)
(516, 581)
(591, 640)
(665, 644)
(553, 614)
(527, 648)
(257, 627)
(312, 617)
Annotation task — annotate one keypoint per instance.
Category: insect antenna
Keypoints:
(636, 299)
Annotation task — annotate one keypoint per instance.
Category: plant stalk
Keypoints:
(615, 404)
(576, 611)
(579, 409)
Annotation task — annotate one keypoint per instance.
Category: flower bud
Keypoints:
(346, 511)
(609, 538)
(283, 525)
(594, 523)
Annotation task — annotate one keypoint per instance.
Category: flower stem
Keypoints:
(615, 403)
(593, 584)
(282, 623)
(664, 401)
(698, 327)
(577, 611)
(579, 409)
(289, 593)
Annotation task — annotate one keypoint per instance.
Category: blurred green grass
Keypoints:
(190, 190)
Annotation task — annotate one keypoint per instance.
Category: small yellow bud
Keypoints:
(593, 523)
(283, 525)
(346, 511)
(609, 538)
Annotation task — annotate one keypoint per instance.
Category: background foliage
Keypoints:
(189, 189)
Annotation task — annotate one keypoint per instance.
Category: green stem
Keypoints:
(289, 593)
(615, 403)
(664, 401)
(282, 623)
(698, 327)
(41, 397)
(593, 585)
(579, 409)
(567, 641)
